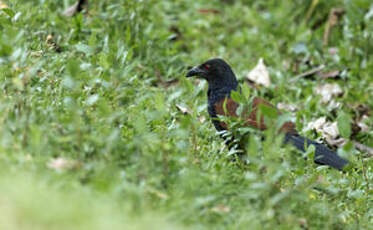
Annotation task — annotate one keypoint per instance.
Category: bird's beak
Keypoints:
(195, 71)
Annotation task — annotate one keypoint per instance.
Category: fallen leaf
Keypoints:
(49, 37)
(76, 8)
(328, 130)
(339, 142)
(260, 74)
(362, 123)
(206, 11)
(183, 109)
(364, 148)
(333, 104)
(328, 91)
(158, 193)
(288, 107)
(60, 164)
(221, 209)
(202, 119)
(330, 74)
(317, 125)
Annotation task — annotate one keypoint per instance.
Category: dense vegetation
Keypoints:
(91, 136)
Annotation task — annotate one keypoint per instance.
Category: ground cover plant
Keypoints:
(100, 129)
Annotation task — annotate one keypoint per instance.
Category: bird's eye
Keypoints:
(206, 66)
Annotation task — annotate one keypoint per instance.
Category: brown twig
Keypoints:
(308, 73)
(364, 148)
(334, 15)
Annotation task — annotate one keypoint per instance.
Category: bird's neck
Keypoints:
(214, 94)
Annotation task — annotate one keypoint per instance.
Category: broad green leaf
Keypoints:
(236, 96)
(9, 12)
(344, 124)
(268, 111)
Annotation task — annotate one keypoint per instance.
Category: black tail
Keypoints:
(323, 155)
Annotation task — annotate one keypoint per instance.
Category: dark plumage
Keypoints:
(221, 81)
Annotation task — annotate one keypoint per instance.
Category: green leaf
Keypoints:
(344, 124)
(9, 12)
(268, 111)
(282, 119)
(73, 67)
(245, 91)
(236, 96)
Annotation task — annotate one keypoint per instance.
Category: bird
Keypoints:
(222, 82)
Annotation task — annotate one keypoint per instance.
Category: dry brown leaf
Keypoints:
(206, 11)
(330, 74)
(260, 74)
(328, 91)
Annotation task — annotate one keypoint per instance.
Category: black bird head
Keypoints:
(217, 73)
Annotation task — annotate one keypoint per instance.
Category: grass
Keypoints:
(93, 90)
